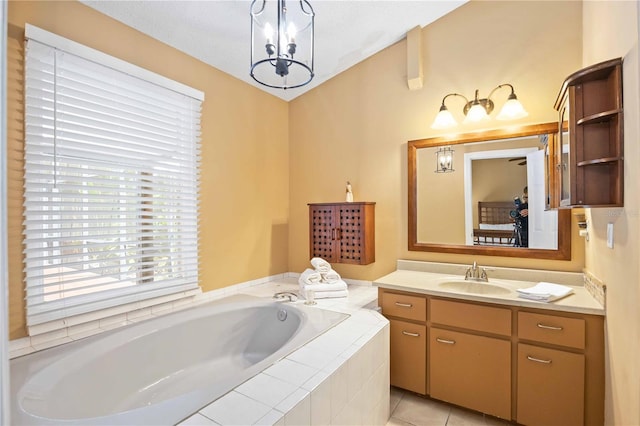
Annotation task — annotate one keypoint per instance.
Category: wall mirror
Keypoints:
(478, 207)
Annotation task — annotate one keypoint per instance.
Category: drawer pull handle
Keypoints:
(404, 305)
(448, 342)
(549, 327)
(407, 333)
(542, 361)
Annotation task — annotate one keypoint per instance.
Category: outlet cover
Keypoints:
(610, 235)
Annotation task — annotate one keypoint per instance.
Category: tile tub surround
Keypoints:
(341, 377)
(425, 277)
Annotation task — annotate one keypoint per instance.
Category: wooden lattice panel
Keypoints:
(351, 244)
(322, 231)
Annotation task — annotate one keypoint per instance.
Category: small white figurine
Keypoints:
(349, 193)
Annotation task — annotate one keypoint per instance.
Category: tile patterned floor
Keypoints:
(408, 409)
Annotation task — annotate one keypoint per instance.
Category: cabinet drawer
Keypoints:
(473, 317)
(404, 306)
(552, 329)
(408, 357)
(550, 387)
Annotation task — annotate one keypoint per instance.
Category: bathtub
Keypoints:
(162, 370)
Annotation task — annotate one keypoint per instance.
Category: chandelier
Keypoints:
(282, 43)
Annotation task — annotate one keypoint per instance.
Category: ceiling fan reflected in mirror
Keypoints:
(523, 160)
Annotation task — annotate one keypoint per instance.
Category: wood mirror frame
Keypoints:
(563, 252)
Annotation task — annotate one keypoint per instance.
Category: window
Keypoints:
(111, 182)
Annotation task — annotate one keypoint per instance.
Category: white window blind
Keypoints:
(111, 185)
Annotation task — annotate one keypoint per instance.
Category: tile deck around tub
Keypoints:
(341, 377)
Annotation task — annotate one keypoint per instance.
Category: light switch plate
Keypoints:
(610, 235)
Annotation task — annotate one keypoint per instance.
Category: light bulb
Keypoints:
(268, 33)
(512, 110)
(291, 32)
(476, 113)
(444, 119)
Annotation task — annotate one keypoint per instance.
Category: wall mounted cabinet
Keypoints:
(590, 155)
(343, 232)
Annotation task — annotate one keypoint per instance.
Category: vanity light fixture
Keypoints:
(282, 43)
(444, 160)
(479, 109)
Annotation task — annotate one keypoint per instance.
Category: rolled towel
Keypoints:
(329, 294)
(339, 285)
(330, 277)
(310, 277)
(321, 265)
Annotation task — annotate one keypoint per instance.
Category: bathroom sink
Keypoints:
(475, 287)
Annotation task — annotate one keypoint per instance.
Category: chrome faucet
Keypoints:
(476, 273)
(286, 296)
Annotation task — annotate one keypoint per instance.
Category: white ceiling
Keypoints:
(217, 32)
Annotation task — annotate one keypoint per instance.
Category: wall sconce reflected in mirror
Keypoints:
(479, 109)
(444, 160)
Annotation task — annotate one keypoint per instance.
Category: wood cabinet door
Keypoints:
(471, 371)
(408, 356)
(356, 230)
(322, 225)
(550, 387)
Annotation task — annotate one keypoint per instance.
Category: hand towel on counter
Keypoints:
(321, 265)
(328, 294)
(545, 292)
(339, 285)
(310, 277)
(330, 277)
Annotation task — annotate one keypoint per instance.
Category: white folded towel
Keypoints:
(338, 285)
(321, 265)
(329, 294)
(545, 292)
(310, 277)
(331, 277)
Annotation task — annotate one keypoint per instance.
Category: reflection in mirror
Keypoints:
(481, 207)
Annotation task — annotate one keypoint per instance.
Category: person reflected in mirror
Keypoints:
(520, 217)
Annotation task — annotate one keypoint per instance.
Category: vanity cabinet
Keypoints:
(408, 339)
(343, 232)
(408, 356)
(590, 156)
(550, 386)
(560, 367)
(470, 356)
(534, 366)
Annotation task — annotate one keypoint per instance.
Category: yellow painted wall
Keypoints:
(356, 126)
(244, 180)
(610, 31)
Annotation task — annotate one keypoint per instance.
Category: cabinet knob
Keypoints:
(408, 333)
(445, 341)
(404, 305)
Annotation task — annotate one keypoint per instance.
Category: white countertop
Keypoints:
(580, 301)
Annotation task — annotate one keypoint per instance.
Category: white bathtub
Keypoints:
(162, 370)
